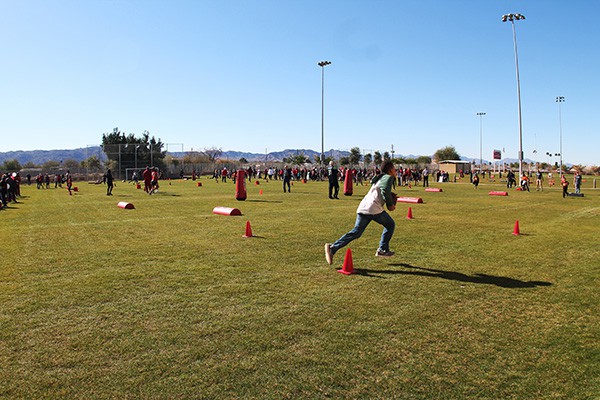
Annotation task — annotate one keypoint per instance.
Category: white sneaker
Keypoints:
(381, 253)
(328, 254)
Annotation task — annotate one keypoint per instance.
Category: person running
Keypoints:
(371, 208)
(476, 180)
(154, 181)
(524, 182)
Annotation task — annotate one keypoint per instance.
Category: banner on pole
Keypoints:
(497, 155)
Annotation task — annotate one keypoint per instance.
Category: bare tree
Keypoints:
(213, 153)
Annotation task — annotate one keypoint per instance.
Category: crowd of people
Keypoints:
(10, 188)
(403, 176)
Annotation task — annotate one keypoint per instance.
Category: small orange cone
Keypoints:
(248, 230)
(409, 215)
(260, 192)
(516, 230)
(348, 267)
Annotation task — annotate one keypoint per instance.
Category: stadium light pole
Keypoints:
(560, 99)
(136, 149)
(480, 114)
(323, 64)
(512, 18)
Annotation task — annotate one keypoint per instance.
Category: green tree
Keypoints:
(71, 164)
(29, 164)
(93, 164)
(355, 156)
(51, 166)
(298, 159)
(399, 160)
(377, 158)
(411, 162)
(386, 156)
(243, 160)
(447, 153)
(423, 160)
(12, 165)
(344, 160)
(367, 159)
(126, 149)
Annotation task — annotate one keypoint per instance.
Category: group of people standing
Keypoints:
(10, 188)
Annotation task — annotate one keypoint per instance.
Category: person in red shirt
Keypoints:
(154, 181)
(147, 175)
(224, 175)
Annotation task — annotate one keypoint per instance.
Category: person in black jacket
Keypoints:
(109, 183)
(334, 185)
(287, 177)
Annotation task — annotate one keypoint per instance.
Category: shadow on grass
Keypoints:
(264, 201)
(483, 279)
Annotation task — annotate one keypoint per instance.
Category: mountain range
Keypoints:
(39, 157)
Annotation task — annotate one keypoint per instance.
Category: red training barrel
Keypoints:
(348, 183)
(240, 185)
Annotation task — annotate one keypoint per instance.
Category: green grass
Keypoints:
(169, 301)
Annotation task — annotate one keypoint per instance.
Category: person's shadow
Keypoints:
(484, 279)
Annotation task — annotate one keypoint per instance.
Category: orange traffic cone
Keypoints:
(409, 215)
(248, 230)
(348, 267)
(516, 230)
(260, 191)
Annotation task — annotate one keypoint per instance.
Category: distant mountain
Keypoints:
(39, 157)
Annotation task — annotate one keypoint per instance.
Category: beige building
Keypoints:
(454, 166)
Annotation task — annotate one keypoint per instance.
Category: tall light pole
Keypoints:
(512, 18)
(480, 114)
(323, 64)
(136, 149)
(560, 99)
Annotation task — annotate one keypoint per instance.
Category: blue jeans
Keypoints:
(362, 220)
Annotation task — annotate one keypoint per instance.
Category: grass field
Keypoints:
(169, 301)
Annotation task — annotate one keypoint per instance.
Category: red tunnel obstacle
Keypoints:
(125, 205)
(409, 200)
(494, 193)
(226, 211)
(433, 190)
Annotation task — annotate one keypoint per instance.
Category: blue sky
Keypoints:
(243, 75)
